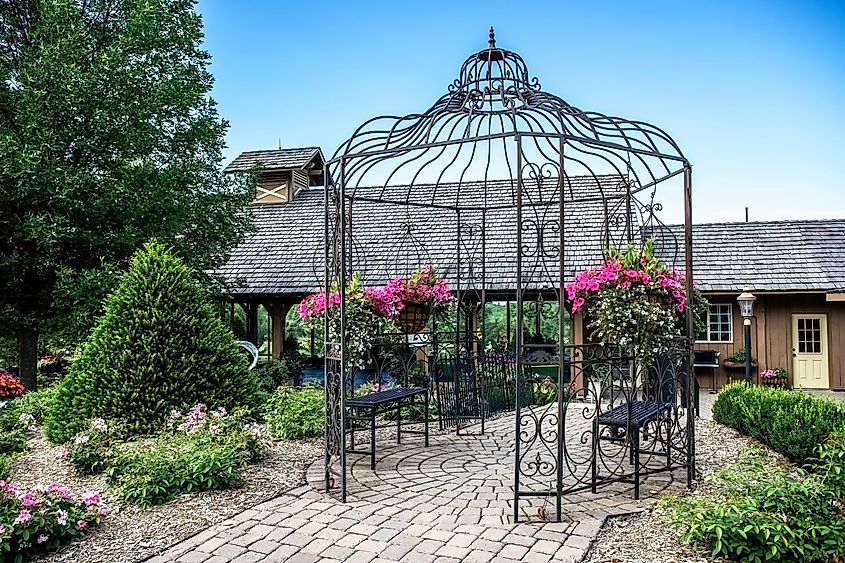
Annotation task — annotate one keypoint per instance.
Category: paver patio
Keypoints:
(452, 501)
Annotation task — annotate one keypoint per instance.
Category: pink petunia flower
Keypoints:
(24, 516)
(82, 524)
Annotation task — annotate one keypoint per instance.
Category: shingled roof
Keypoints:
(769, 255)
(285, 254)
(274, 159)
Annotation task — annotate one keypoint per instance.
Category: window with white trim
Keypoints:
(719, 322)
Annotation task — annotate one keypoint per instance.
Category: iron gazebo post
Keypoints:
(519, 320)
(690, 324)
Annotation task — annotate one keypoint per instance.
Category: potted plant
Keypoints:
(364, 315)
(737, 360)
(774, 378)
(411, 302)
(634, 300)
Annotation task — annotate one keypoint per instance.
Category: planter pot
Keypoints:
(737, 365)
(780, 382)
(413, 318)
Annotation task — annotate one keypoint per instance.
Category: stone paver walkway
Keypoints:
(450, 502)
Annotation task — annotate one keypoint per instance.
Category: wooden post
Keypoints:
(279, 313)
(251, 310)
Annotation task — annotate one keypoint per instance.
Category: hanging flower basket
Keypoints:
(413, 318)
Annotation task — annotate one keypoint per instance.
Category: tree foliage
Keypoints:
(159, 346)
(108, 137)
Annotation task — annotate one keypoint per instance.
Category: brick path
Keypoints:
(447, 503)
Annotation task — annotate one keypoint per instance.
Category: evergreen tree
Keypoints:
(159, 346)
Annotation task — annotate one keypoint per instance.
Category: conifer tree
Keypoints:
(158, 346)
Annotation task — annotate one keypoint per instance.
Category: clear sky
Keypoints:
(752, 91)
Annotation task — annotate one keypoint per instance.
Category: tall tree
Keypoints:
(108, 137)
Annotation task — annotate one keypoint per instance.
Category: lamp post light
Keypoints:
(746, 308)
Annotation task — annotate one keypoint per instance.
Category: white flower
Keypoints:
(99, 425)
(81, 439)
(61, 517)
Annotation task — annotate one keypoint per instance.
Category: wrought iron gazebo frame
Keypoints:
(496, 120)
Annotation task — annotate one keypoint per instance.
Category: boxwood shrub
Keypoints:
(158, 346)
(790, 422)
(294, 413)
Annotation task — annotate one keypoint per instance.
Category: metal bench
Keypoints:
(366, 407)
(626, 421)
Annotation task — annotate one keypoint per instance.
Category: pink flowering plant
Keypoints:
(200, 420)
(422, 288)
(778, 373)
(633, 300)
(36, 520)
(363, 318)
(371, 310)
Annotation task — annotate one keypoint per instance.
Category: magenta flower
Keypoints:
(82, 524)
(29, 500)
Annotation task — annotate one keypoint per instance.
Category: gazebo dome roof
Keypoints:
(495, 122)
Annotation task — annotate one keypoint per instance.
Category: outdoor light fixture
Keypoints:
(746, 303)
(746, 308)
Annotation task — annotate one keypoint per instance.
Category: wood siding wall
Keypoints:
(771, 337)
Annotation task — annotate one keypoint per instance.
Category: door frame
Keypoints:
(825, 342)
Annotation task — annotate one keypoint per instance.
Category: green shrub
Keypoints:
(294, 413)
(5, 466)
(37, 404)
(286, 370)
(831, 462)
(155, 471)
(90, 451)
(198, 450)
(792, 423)
(12, 442)
(15, 425)
(158, 346)
(762, 510)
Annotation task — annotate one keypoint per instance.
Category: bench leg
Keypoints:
(399, 424)
(426, 417)
(352, 433)
(636, 449)
(669, 440)
(373, 440)
(594, 464)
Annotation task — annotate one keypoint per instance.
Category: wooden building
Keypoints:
(796, 269)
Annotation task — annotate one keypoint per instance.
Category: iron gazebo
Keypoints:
(508, 190)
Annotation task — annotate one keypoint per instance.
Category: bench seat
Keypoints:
(635, 413)
(366, 407)
(381, 397)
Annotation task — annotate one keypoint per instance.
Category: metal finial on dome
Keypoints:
(492, 40)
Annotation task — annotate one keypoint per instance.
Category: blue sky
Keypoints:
(753, 92)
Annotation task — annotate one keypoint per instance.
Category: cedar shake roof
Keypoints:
(285, 254)
(275, 159)
(769, 255)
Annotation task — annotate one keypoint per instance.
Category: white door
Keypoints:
(809, 352)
